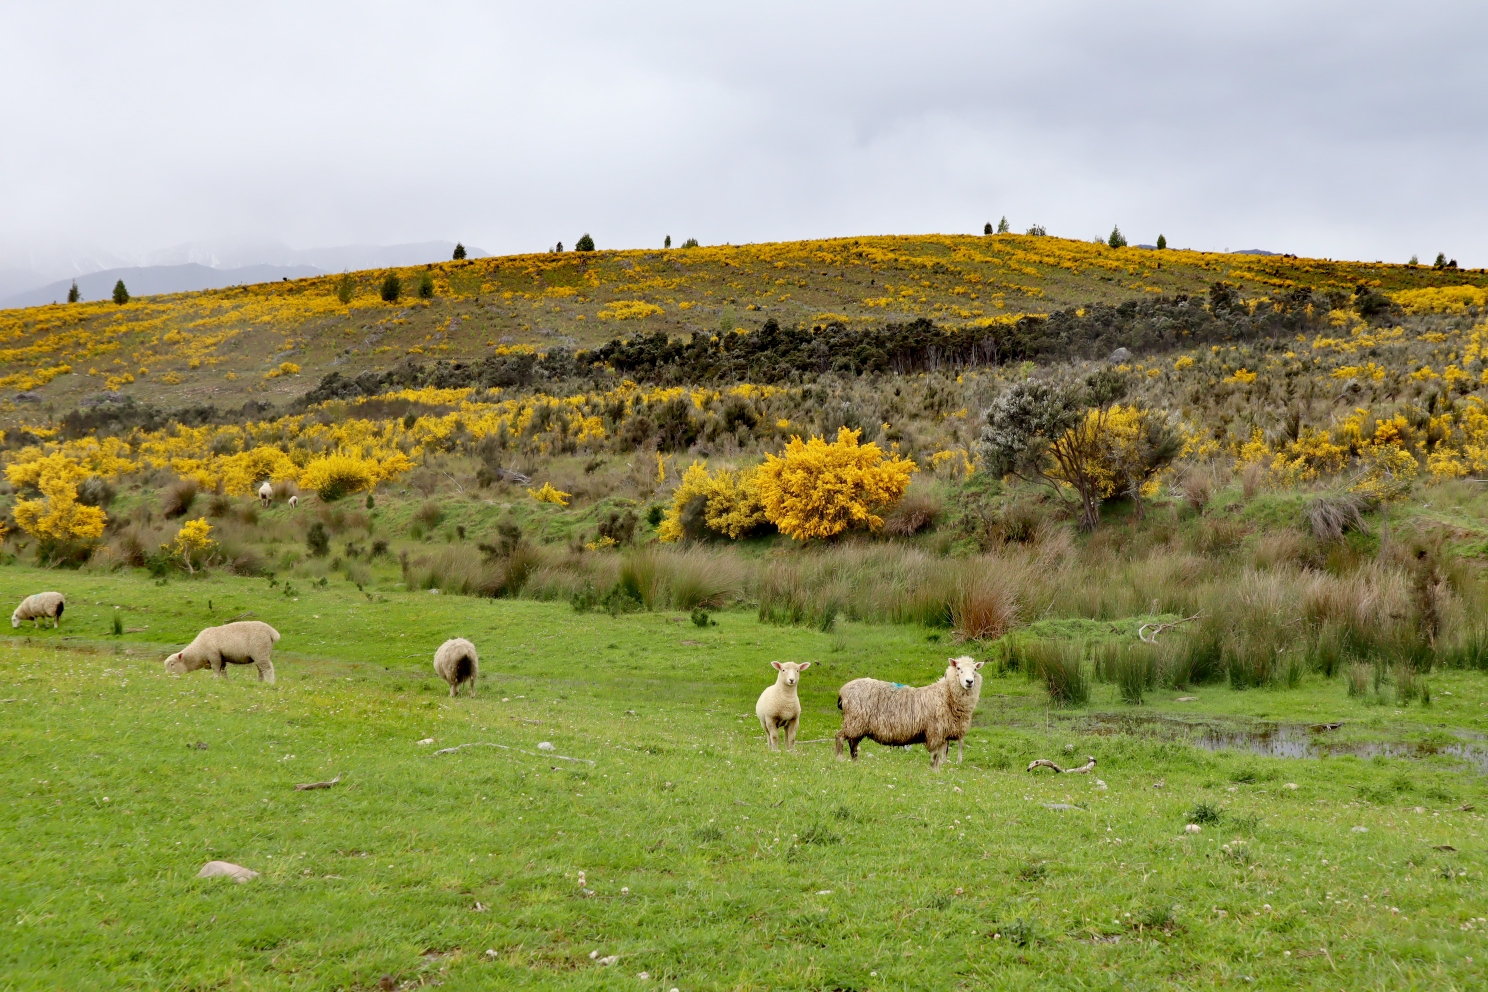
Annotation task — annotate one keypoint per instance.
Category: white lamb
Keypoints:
(38, 607)
(294, 501)
(779, 707)
(247, 642)
(894, 714)
(265, 494)
(457, 663)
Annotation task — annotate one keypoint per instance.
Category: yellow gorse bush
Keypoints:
(727, 503)
(550, 494)
(816, 489)
(57, 515)
(338, 475)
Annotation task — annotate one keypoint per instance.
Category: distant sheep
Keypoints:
(779, 707)
(457, 663)
(294, 501)
(42, 605)
(265, 494)
(247, 642)
(892, 714)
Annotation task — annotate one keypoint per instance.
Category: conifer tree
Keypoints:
(1117, 239)
(668, 242)
(1162, 243)
(426, 285)
(392, 287)
(459, 251)
(585, 243)
(72, 294)
(1002, 225)
(345, 287)
(987, 227)
(121, 295)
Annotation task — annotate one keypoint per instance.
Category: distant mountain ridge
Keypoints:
(206, 265)
(156, 279)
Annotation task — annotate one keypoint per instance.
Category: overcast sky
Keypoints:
(1355, 129)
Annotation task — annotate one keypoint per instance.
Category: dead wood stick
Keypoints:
(1158, 628)
(504, 747)
(1046, 763)
(318, 785)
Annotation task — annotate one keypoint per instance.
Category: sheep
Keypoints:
(779, 707)
(892, 714)
(247, 642)
(38, 607)
(457, 663)
(294, 501)
(265, 494)
(976, 695)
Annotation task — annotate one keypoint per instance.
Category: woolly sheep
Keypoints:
(265, 494)
(892, 714)
(457, 663)
(247, 642)
(779, 707)
(40, 606)
(294, 500)
(976, 696)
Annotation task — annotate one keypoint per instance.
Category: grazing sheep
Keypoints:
(779, 707)
(247, 642)
(457, 663)
(265, 494)
(892, 714)
(40, 606)
(294, 501)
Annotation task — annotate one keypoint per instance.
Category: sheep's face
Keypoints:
(176, 665)
(790, 672)
(15, 619)
(963, 671)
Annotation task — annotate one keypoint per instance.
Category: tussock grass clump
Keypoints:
(177, 498)
(918, 510)
(985, 606)
(1331, 515)
(1059, 666)
(1132, 668)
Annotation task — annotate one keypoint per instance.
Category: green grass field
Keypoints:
(708, 862)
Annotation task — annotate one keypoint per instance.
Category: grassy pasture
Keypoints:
(744, 869)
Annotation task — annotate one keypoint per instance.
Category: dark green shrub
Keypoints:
(1117, 239)
(121, 295)
(426, 285)
(1205, 813)
(72, 294)
(459, 251)
(317, 540)
(392, 288)
(585, 243)
(345, 287)
(690, 243)
(1162, 243)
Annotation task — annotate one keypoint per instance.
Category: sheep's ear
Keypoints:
(803, 666)
(777, 666)
(979, 665)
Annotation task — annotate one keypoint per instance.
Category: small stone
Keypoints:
(1188, 699)
(609, 959)
(1193, 828)
(643, 976)
(491, 953)
(625, 890)
(1360, 830)
(213, 869)
(546, 746)
(427, 740)
(1292, 785)
(593, 955)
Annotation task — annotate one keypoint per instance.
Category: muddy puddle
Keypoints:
(1276, 740)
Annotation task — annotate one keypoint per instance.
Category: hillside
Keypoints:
(273, 341)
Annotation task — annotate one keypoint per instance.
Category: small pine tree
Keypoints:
(392, 287)
(585, 243)
(459, 251)
(1162, 243)
(426, 285)
(1002, 225)
(121, 295)
(1440, 263)
(1037, 231)
(690, 243)
(1117, 239)
(345, 287)
(72, 294)
(559, 247)
(668, 242)
(1414, 261)
(987, 227)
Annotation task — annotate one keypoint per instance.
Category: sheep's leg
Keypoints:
(265, 671)
(790, 733)
(454, 689)
(219, 668)
(960, 746)
(937, 751)
(772, 731)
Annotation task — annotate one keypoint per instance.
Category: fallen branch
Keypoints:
(1158, 628)
(553, 757)
(318, 785)
(249, 615)
(1046, 763)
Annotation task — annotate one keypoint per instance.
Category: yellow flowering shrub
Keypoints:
(549, 494)
(57, 516)
(193, 543)
(335, 476)
(816, 489)
(724, 503)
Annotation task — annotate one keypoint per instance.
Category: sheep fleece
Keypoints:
(242, 643)
(41, 605)
(447, 663)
